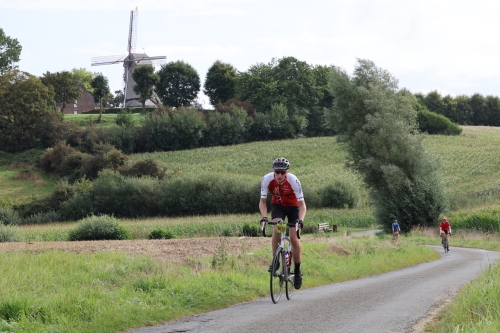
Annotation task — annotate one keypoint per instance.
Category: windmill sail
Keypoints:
(129, 61)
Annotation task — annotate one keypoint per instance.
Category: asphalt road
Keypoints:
(390, 302)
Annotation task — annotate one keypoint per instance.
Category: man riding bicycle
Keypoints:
(395, 229)
(444, 228)
(287, 201)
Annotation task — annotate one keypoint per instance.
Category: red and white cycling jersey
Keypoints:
(288, 193)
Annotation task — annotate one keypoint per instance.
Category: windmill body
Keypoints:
(129, 62)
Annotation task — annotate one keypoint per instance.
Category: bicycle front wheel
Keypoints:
(277, 276)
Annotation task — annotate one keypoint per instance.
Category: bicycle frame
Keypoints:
(281, 275)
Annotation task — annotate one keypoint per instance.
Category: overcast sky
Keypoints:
(449, 46)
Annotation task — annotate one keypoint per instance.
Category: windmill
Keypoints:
(129, 61)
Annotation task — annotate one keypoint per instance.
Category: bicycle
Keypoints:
(395, 237)
(282, 260)
(445, 241)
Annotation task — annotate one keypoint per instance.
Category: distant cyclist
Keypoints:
(395, 229)
(444, 228)
(287, 201)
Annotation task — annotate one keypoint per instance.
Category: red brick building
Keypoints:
(84, 103)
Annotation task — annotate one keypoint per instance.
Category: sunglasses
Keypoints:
(280, 172)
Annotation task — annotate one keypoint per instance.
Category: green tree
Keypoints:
(434, 102)
(10, 50)
(464, 110)
(220, 83)
(118, 99)
(100, 87)
(259, 87)
(379, 125)
(64, 85)
(145, 80)
(178, 85)
(28, 114)
(493, 105)
(84, 77)
(480, 112)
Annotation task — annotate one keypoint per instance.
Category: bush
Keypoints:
(160, 233)
(9, 216)
(143, 168)
(433, 123)
(341, 194)
(8, 233)
(125, 118)
(102, 227)
(251, 230)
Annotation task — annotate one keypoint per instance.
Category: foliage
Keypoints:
(175, 130)
(229, 105)
(225, 128)
(378, 124)
(178, 85)
(250, 230)
(100, 89)
(28, 114)
(102, 227)
(433, 123)
(10, 50)
(145, 80)
(65, 161)
(8, 233)
(464, 110)
(340, 194)
(64, 85)
(160, 233)
(148, 167)
(9, 216)
(84, 77)
(125, 118)
(220, 82)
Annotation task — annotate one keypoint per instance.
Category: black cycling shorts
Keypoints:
(290, 212)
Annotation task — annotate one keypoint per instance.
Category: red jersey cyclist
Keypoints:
(287, 201)
(444, 228)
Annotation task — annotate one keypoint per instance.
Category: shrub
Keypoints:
(160, 233)
(42, 218)
(8, 233)
(341, 194)
(143, 168)
(52, 159)
(250, 230)
(9, 216)
(434, 123)
(102, 227)
(124, 118)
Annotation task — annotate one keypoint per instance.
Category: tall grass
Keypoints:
(475, 310)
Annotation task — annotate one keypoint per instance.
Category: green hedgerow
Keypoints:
(102, 227)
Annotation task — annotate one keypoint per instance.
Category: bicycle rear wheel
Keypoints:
(277, 276)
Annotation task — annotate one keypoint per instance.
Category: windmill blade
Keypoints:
(132, 31)
(155, 61)
(107, 60)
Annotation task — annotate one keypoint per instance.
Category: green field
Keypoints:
(46, 300)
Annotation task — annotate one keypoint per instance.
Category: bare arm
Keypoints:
(263, 207)
(302, 210)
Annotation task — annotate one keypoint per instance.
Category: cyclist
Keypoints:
(444, 229)
(287, 201)
(395, 229)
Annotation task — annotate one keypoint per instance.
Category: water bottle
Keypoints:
(287, 256)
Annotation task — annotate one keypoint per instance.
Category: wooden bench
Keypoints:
(324, 226)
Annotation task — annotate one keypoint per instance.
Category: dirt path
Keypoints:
(171, 250)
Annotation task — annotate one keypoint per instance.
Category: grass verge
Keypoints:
(56, 291)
